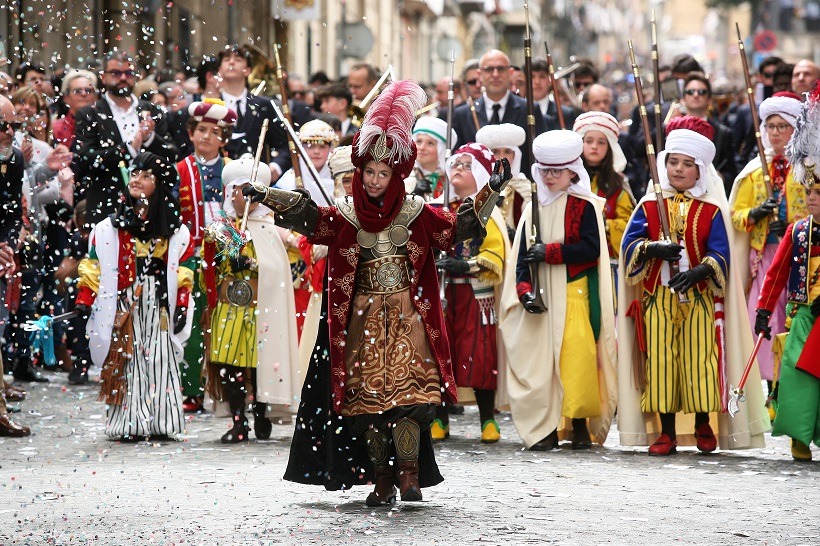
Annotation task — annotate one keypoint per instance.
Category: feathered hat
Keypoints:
(803, 150)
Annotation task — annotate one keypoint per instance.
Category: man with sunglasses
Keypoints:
(497, 104)
(110, 133)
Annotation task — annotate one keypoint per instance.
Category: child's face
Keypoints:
(557, 179)
(427, 151)
(376, 178)
(461, 176)
(504, 153)
(682, 171)
(595, 148)
(318, 152)
(813, 201)
(239, 201)
(207, 140)
(142, 184)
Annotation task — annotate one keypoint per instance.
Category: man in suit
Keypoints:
(541, 95)
(335, 99)
(496, 105)
(251, 110)
(110, 133)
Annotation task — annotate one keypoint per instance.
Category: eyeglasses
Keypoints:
(5, 125)
(492, 69)
(767, 74)
(699, 92)
(581, 85)
(83, 91)
(472, 82)
(297, 94)
(779, 128)
(554, 173)
(467, 165)
(120, 73)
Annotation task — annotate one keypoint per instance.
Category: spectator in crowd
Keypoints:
(79, 90)
(361, 80)
(804, 75)
(335, 99)
(471, 79)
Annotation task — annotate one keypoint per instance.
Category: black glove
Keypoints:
(778, 227)
(536, 254)
(453, 265)
(83, 311)
(241, 263)
(665, 250)
(255, 196)
(179, 319)
(762, 323)
(500, 178)
(766, 208)
(527, 299)
(815, 307)
(685, 280)
(423, 187)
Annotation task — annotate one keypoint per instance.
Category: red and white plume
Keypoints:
(803, 150)
(387, 128)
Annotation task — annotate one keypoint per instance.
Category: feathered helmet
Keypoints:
(803, 150)
(386, 133)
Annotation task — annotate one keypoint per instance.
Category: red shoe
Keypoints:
(707, 442)
(191, 405)
(663, 446)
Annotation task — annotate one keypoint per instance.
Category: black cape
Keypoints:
(325, 451)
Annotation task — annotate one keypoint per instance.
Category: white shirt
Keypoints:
(128, 123)
(543, 104)
(488, 106)
(236, 103)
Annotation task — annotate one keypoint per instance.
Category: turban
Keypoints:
(482, 165)
(504, 135)
(339, 161)
(786, 105)
(212, 111)
(608, 125)
(238, 172)
(559, 149)
(691, 144)
(317, 131)
(436, 129)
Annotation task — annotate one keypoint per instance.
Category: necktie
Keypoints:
(495, 119)
(239, 116)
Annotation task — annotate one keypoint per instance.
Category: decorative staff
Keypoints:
(556, 93)
(442, 282)
(283, 91)
(657, 85)
(737, 394)
(755, 118)
(663, 213)
(535, 235)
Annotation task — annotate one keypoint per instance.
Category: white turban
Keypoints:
(691, 144)
(608, 125)
(559, 149)
(505, 135)
(339, 161)
(787, 108)
(482, 159)
(437, 129)
(238, 172)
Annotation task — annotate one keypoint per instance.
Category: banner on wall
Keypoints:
(295, 10)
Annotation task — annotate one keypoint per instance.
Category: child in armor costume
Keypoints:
(561, 378)
(693, 348)
(200, 199)
(760, 222)
(475, 271)
(253, 343)
(318, 138)
(430, 136)
(605, 162)
(505, 141)
(386, 341)
(142, 254)
(796, 268)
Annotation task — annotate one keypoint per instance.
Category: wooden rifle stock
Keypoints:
(283, 90)
(663, 213)
(755, 118)
(556, 93)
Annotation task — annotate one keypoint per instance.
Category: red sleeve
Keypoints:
(522, 288)
(327, 227)
(86, 296)
(554, 255)
(441, 226)
(778, 274)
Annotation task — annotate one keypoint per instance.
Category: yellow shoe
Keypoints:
(490, 433)
(800, 451)
(439, 431)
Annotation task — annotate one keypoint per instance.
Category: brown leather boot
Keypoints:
(10, 428)
(407, 439)
(378, 449)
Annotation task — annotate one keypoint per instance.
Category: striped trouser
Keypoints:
(682, 356)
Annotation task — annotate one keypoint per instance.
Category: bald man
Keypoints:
(497, 104)
(804, 75)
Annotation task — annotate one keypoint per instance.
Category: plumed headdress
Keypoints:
(803, 150)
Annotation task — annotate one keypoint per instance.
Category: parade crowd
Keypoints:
(346, 260)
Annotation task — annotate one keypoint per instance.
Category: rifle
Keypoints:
(555, 91)
(535, 235)
(283, 91)
(755, 118)
(442, 285)
(663, 213)
(657, 84)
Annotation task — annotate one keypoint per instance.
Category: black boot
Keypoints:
(235, 390)
(378, 449)
(580, 434)
(261, 425)
(24, 371)
(407, 439)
